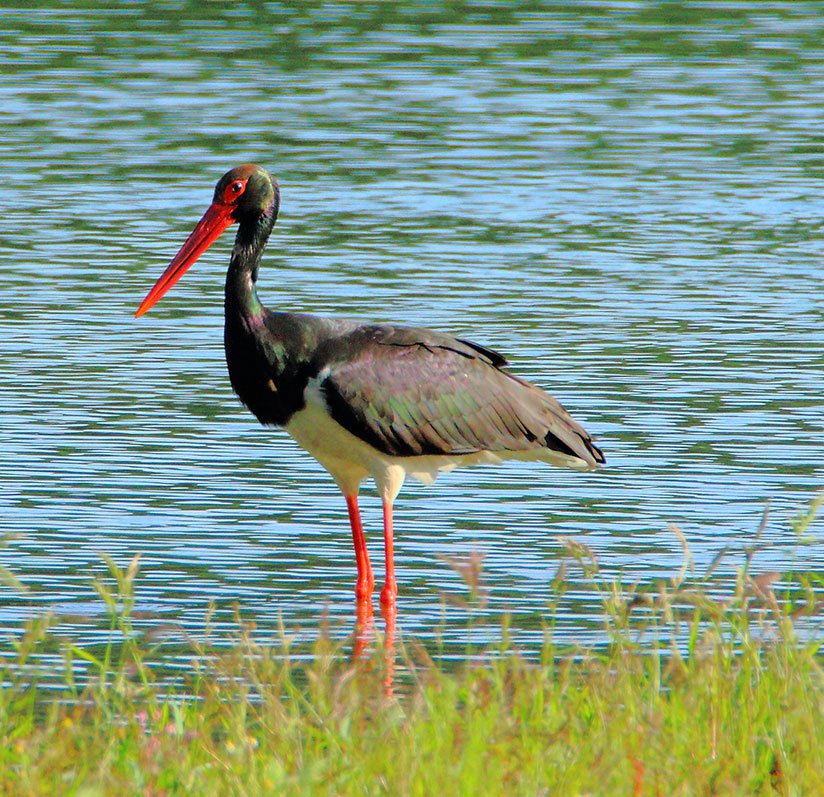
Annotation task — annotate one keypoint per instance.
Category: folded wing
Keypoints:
(412, 392)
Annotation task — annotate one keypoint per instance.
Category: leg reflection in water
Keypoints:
(365, 635)
(389, 614)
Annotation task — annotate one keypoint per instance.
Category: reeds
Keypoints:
(693, 692)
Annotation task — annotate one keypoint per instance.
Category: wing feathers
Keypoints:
(413, 392)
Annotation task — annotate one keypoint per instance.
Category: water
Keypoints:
(624, 198)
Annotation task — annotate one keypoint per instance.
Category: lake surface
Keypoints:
(624, 198)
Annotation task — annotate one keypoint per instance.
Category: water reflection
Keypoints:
(364, 639)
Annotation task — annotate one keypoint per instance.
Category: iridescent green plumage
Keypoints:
(413, 392)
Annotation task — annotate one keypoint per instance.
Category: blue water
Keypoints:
(625, 199)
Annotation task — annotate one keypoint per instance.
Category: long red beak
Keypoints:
(215, 220)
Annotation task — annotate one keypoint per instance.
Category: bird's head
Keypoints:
(247, 195)
(247, 192)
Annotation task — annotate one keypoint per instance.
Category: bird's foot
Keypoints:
(389, 594)
(363, 590)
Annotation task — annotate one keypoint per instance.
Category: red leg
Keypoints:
(390, 590)
(366, 581)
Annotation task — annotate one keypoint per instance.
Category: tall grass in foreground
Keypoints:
(693, 694)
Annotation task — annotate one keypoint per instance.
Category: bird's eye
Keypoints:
(233, 191)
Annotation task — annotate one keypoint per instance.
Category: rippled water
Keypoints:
(625, 198)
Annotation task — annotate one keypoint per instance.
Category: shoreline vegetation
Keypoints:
(696, 690)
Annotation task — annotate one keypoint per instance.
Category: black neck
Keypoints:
(252, 235)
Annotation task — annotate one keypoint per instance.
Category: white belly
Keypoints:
(350, 460)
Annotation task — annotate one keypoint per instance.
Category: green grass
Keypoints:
(693, 692)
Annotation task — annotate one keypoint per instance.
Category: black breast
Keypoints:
(267, 380)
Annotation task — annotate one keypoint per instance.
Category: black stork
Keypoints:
(367, 399)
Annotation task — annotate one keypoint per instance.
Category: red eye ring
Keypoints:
(233, 191)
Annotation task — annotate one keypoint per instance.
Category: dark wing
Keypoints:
(410, 392)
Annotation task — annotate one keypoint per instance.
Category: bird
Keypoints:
(367, 400)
